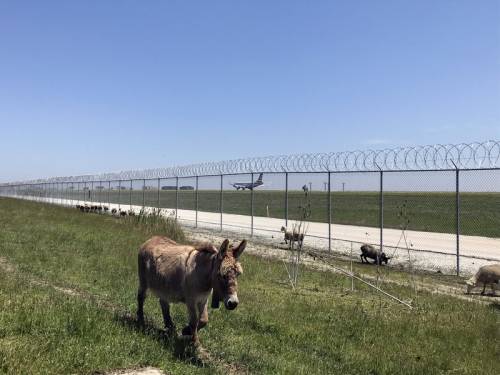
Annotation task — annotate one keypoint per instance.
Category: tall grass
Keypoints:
(154, 222)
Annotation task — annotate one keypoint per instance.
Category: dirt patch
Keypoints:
(137, 371)
(6, 266)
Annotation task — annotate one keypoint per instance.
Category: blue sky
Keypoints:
(98, 86)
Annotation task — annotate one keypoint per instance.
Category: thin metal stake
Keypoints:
(352, 278)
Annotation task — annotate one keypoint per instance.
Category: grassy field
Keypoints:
(434, 212)
(321, 328)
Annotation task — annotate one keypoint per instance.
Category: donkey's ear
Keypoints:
(223, 248)
(238, 250)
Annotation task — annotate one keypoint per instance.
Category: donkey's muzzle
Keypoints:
(231, 303)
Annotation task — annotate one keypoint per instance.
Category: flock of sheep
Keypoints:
(486, 275)
(104, 209)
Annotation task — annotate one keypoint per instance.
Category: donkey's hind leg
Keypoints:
(167, 320)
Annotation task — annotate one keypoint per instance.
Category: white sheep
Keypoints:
(489, 274)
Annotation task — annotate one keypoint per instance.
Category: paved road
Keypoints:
(343, 236)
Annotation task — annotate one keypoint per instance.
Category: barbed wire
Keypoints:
(474, 155)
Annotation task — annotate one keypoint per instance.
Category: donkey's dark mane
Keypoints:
(206, 248)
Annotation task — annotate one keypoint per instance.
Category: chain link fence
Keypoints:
(446, 221)
(434, 207)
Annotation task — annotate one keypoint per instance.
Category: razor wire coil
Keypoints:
(477, 155)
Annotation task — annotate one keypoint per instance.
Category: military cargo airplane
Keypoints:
(248, 185)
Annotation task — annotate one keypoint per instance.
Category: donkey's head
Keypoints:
(226, 270)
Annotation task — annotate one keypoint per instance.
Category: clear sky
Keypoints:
(102, 86)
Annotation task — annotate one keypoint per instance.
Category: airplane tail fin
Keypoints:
(259, 180)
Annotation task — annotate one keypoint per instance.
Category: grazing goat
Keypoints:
(293, 237)
(183, 273)
(368, 251)
(123, 213)
(114, 211)
(489, 274)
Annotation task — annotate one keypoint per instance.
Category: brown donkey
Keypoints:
(183, 273)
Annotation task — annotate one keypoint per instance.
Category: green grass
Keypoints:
(435, 212)
(322, 328)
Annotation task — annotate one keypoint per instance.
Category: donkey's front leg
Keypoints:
(192, 327)
(203, 315)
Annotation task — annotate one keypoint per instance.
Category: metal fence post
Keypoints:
(286, 199)
(381, 208)
(329, 211)
(158, 198)
(196, 205)
(119, 194)
(251, 207)
(221, 200)
(130, 195)
(143, 193)
(176, 196)
(109, 194)
(457, 213)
